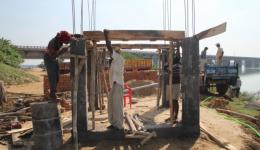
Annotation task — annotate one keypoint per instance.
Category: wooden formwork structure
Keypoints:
(83, 72)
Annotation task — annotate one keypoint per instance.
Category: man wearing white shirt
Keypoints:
(115, 101)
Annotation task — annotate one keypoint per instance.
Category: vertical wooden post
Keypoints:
(159, 78)
(92, 85)
(79, 50)
(164, 80)
(190, 110)
(74, 104)
(170, 62)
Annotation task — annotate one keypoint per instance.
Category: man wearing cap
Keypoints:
(219, 54)
(55, 48)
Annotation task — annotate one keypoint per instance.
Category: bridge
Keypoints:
(36, 52)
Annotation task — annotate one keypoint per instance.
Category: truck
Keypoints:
(219, 76)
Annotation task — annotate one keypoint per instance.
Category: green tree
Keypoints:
(8, 54)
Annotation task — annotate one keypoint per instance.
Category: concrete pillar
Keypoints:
(191, 96)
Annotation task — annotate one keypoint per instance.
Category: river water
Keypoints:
(250, 80)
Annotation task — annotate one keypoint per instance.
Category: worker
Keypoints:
(57, 46)
(219, 54)
(236, 88)
(176, 86)
(203, 59)
(204, 53)
(116, 78)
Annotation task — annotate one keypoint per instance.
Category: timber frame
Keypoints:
(83, 53)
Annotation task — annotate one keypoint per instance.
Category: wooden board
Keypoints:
(125, 35)
(137, 46)
(212, 31)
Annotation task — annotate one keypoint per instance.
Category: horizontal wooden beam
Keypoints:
(127, 35)
(137, 46)
(212, 31)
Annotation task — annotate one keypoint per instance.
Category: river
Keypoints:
(250, 80)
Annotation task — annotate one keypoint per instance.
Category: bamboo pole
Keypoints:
(130, 122)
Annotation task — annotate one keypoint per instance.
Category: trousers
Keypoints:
(52, 68)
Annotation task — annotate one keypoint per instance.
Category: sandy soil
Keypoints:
(145, 106)
(30, 88)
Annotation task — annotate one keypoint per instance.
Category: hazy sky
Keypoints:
(35, 22)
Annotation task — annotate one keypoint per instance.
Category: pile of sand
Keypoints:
(142, 92)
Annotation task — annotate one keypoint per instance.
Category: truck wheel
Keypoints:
(222, 89)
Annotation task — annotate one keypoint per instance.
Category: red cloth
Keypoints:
(64, 36)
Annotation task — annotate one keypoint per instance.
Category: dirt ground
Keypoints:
(30, 88)
(146, 107)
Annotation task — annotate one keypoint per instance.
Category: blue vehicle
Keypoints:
(219, 76)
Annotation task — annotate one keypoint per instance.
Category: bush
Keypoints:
(8, 54)
(11, 75)
(128, 55)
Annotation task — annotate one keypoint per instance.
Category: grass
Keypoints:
(11, 75)
(238, 105)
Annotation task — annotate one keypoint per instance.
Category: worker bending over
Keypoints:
(55, 48)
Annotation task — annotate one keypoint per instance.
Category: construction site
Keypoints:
(83, 111)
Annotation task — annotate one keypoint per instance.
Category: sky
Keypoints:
(35, 22)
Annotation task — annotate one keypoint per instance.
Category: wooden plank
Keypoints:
(137, 46)
(125, 35)
(232, 113)
(220, 141)
(153, 134)
(212, 31)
